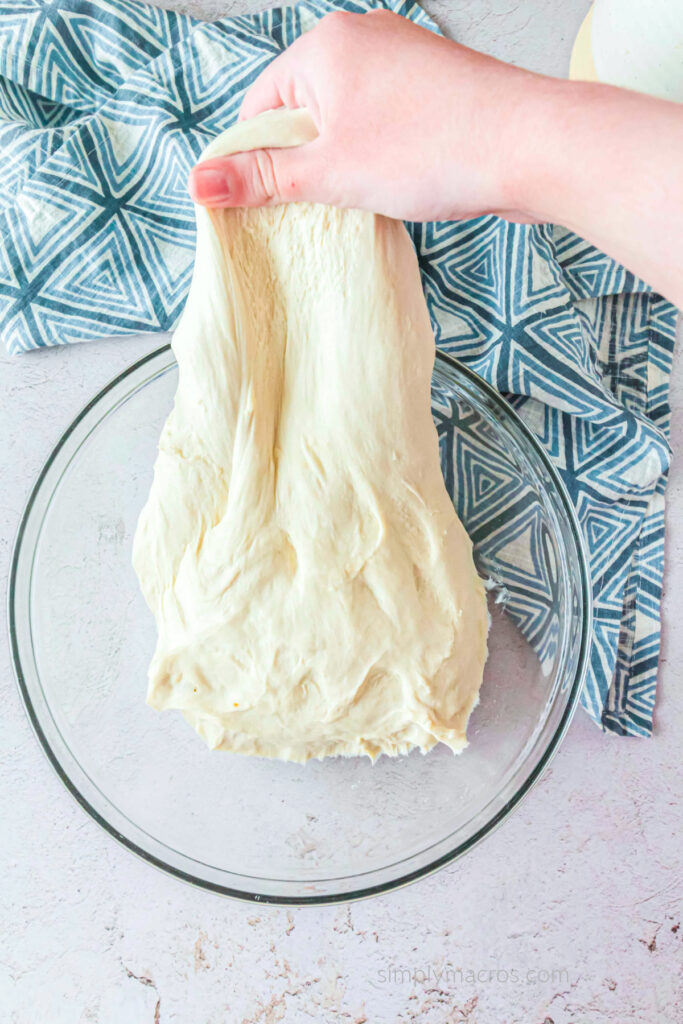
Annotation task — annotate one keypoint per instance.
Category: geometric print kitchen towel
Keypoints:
(105, 106)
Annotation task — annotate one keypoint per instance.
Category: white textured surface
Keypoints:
(577, 892)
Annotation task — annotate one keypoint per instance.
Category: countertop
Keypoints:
(576, 896)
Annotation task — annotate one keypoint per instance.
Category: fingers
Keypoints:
(264, 94)
(280, 84)
(262, 177)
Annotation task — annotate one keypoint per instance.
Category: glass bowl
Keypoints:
(263, 830)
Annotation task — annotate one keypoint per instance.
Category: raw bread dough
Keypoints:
(314, 590)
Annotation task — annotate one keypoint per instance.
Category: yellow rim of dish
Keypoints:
(581, 64)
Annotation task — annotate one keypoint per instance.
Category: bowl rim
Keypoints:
(363, 892)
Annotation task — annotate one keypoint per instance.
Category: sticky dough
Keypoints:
(314, 591)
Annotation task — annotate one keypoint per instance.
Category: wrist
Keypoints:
(571, 141)
(534, 152)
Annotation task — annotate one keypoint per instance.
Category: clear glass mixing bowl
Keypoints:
(263, 830)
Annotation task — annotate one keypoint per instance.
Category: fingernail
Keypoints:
(209, 185)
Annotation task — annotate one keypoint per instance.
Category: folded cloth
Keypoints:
(104, 108)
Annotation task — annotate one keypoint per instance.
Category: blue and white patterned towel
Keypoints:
(105, 106)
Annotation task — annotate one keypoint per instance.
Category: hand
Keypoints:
(410, 124)
(417, 127)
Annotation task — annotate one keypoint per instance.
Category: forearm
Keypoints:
(608, 164)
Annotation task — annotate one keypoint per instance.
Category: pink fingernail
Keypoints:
(209, 185)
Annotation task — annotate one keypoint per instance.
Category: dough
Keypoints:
(314, 591)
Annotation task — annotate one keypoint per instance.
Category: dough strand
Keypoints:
(314, 591)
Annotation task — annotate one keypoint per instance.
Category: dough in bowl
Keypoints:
(313, 588)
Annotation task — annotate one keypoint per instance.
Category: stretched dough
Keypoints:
(313, 588)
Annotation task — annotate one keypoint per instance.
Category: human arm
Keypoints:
(417, 127)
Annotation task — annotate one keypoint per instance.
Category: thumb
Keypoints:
(262, 177)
